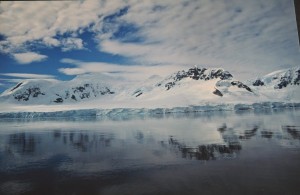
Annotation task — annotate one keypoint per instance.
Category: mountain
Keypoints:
(281, 85)
(195, 86)
(280, 79)
(82, 87)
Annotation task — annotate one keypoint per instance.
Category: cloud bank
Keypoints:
(250, 37)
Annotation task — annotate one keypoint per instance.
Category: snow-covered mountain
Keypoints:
(195, 85)
(281, 85)
(82, 87)
(192, 87)
(280, 79)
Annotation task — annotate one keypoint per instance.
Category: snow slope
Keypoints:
(195, 89)
(281, 85)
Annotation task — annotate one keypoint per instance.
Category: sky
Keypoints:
(139, 38)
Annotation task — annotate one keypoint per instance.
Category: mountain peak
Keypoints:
(196, 73)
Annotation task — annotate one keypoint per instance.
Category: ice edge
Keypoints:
(123, 112)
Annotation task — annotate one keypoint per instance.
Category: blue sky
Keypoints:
(136, 39)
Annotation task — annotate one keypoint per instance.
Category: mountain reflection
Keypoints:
(22, 143)
(206, 152)
(27, 143)
(213, 151)
(249, 133)
(84, 141)
(232, 142)
(294, 131)
(266, 134)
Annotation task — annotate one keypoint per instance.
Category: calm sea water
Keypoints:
(204, 153)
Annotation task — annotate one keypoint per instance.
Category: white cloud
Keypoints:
(22, 22)
(72, 71)
(28, 57)
(28, 75)
(254, 36)
(133, 72)
(72, 44)
(49, 41)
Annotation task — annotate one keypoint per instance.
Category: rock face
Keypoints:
(241, 85)
(258, 82)
(196, 74)
(291, 77)
(217, 92)
(31, 92)
(84, 91)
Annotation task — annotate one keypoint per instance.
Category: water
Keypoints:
(204, 153)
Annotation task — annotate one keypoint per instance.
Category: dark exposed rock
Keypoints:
(297, 79)
(58, 100)
(67, 95)
(169, 85)
(25, 95)
(85, 91)
(258, 82)
(18, 85)
(73, 97)
(241, 85)
(217, 92)
(106, 91)
(85, 95)
(284, 81)
(137, 93)
(197, 74)
(288, 79)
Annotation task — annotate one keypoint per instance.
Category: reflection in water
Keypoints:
(139, 137)
(121, 157)
(84, 142)
(211, 151)
(22, 143)
(294, 131)
(266, 134)
(249, 133)
(206, 152)
(232, 142)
